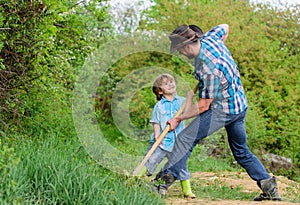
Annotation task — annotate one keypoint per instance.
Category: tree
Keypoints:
(42, 45)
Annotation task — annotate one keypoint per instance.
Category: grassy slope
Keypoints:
(58, 171)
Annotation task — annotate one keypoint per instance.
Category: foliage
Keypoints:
(42, 45)
(121, 142)
(143, 100)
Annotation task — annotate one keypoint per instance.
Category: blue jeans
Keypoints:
(204, 125)
(156, 158)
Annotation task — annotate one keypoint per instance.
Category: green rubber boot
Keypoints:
(186, 189)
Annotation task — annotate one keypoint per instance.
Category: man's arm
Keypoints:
(226, 28)
(191, 111)
(189, 100)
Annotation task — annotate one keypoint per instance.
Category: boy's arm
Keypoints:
(156, 128)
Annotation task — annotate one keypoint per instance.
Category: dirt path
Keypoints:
(288, 190)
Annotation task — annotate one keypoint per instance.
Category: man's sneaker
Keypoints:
(152, 186)
(262, 197)
(270, 190)
(162, 190)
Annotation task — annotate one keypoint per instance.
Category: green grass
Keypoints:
(219, 190)
(201, 161)
(213, 191)
(122, 143)
(209, 164)
(57, 171)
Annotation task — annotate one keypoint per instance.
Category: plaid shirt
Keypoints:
(218, 74)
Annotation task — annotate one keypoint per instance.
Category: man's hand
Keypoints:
(174, 122)
(156, 138)
(190, 94)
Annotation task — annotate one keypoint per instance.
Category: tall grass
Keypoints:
(57, 171)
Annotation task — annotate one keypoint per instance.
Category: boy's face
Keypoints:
(168, 87)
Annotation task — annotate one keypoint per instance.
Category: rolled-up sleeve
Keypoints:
(218, 32)
(155, 116)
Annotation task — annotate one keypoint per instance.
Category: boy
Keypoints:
(164, 87)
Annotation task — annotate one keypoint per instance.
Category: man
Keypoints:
(222, 103)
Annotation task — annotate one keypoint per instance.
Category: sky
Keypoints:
(280, 4)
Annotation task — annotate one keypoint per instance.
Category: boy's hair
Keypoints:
(156, 88)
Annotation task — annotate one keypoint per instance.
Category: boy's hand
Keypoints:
(174, 122)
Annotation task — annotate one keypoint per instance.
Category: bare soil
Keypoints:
(288, 190)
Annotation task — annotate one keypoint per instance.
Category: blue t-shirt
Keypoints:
(163, 111)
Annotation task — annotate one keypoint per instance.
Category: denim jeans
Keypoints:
(204, 125)
(156, 158)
